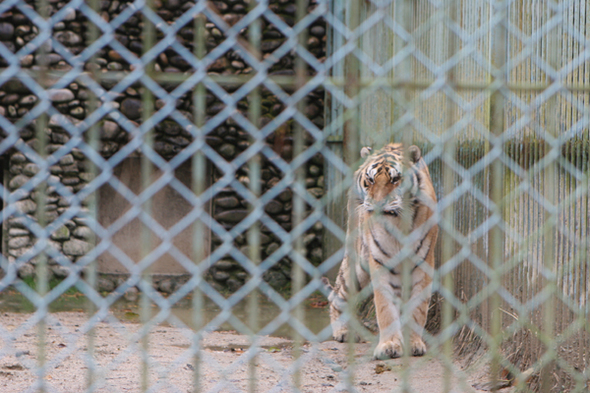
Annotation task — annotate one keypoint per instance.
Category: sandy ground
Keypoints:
(223, 364)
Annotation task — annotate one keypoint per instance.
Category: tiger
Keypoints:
(382, 195)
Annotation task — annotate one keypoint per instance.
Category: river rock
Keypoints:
(109, 130)
(224, 265)
(68, 38)
(273, 207)
(83, 232)
(62, 233)
(60, 271)
(6, 31)
(231, 216)
(227, 202)
(26, 270)
(26, 206)
(76, 247)
(221, 276)
(18, 181)
(18, 242)
(131, 108)
(60, 95)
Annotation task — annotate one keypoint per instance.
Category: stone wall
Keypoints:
(70, 166)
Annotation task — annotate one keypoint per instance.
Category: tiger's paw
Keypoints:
(388, 350)
(342, 336)
(418, 346)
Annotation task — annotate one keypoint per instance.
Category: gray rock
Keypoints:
(86, 176)
(227, 151)
(231, 216)
(26, 271)
(321, 182)
(26, 206)
(18, 158)
(27, 61)
(221, 276)
(70, 181)
(227, 202)
(83, 233)
(114, 66)
(286, 195)
(60, 271)
(31, 169)
(15, 86)
(316, 192)
(13, 232)
(273, 207)
(132, 294)
(314, 170)
(131, 108)
(271, 248)
(308, 238)
(18, 181)
(233, 284)
(22, 30)
(70, 14)
(68, 159)
(68, 38)
(105, 285)
(10, 99)
(6, 31)
(62, 233)
(109, 130)
(78, 112)
(224, 265)
(276, 279)
(18, 242)
(270, 45)
(316, 255)
(76, 247)
(48, 59)
(71, 170)
(168, 285)
(60, 95)
(318, 31)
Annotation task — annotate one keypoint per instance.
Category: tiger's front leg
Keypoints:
(387, 303)
(338, 299)
(419, 302)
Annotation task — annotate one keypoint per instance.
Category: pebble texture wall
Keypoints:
(73, 103)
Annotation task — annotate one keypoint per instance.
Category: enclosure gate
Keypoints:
(172, 169)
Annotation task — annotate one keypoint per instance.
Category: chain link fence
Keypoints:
(175, 179)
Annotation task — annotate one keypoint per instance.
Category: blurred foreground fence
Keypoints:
(196, 156)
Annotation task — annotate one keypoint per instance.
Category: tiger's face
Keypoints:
(380, 181)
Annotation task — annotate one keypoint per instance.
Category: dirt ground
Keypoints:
(223, 364)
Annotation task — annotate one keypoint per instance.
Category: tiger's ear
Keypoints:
(365, 151)
(415, 153)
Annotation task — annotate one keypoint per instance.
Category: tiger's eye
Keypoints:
(396, 179)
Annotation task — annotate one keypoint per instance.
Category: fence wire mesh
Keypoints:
(175, 181)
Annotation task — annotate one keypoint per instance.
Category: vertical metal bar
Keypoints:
(91, 272)
(199, 175)
(146, 177)
(548, 277)
(42, 269)
(404, 17)
(496, 191)
(351, 154)
(255, 35)
(448, 236)
(298, 276)
(333, 111)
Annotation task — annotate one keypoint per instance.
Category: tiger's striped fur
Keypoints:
(378, 202)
